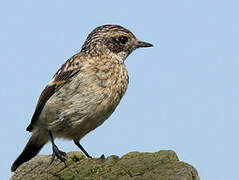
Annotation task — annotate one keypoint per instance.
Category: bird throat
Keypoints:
(121, 56)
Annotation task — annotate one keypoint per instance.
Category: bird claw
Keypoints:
(102, 156)
(59, 154)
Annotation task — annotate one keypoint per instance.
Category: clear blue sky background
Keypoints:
(183, 93)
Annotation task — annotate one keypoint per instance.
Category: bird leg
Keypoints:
(56, 152)
(82, 149)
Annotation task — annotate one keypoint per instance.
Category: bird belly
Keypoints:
(80, 114)
(101, 112)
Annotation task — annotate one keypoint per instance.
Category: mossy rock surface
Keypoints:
(162, 165)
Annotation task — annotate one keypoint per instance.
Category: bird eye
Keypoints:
(123, 39)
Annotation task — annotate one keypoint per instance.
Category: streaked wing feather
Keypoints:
(60, 78)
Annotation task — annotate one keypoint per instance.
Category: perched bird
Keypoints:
(83, 93)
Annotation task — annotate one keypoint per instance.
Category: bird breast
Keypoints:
(112, 76)
(110, 79)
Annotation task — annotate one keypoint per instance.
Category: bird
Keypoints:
(83, 93)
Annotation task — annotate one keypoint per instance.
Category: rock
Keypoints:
(162, 165)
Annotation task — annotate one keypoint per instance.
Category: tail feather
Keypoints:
(31, 149)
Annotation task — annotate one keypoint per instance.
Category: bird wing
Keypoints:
(64, 75)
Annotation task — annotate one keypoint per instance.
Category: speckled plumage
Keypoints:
(87, 100)
(84, 92)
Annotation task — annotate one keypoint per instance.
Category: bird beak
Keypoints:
(143, 44)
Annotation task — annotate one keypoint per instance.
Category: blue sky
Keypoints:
(183, 92)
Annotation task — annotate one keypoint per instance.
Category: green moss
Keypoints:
(67, 176)
(74, 157)
(134, 166)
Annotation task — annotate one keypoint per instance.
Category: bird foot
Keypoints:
(102, 156)
(59, 154)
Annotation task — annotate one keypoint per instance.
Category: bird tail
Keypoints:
(32, 148)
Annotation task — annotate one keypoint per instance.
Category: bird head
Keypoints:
(113, 41)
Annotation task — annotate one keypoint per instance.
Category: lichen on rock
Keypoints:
(162, 165)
